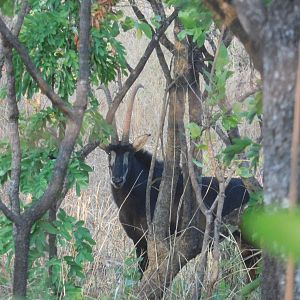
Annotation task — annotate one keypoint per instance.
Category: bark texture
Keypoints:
(167, 255)
(271, 36)
(281, 38)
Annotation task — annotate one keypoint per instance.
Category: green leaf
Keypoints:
(181, 35)
(127, 24)
(146, 29)
(202, 147)
(50, 228)
(139, 33)
(238, 146)
(223, 58)
(253, 153)
(3, 93)
(256, 199)
(198, 163)
(195, 130)
(230, 121)
(244, 172)
(155, 21)
(277, 231)
(7, 7)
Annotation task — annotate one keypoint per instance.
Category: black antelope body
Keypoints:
(129, 167)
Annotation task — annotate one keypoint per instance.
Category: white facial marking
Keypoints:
(125, 164)
(112, 158)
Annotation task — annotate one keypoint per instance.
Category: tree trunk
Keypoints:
(270, 34)
(167, 255)
(280, 64)
(22, 243)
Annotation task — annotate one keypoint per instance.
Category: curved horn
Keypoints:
(127, 120)
(114, 137)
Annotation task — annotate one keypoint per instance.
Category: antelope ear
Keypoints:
(140, 142)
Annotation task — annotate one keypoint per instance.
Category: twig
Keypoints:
(158, 49)
(158, 9)
(109, 101)
(15, 218)
(140, 66)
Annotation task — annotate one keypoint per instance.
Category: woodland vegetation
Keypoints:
(67, 68)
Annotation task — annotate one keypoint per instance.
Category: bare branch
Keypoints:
(140, 66)
(158, 9)
(159, 53)
(241, 98)
(23, 12)
(194, 182)
(109, 101)
(87, 149)
(223, 136)
(9, 214)
(13, 120)
(36, 75)
(248, 93)
(163, 63)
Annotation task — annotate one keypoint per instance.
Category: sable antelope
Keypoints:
(129, 168)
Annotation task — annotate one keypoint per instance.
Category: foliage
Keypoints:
(128, 277)
(67, 271)
(229, 119)
(49, 33)
(128, 23)
(196, 19)
(7, 7)
(195, 130)
(275, 230)
(52, 27)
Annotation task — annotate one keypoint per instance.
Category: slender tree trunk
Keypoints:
(280, 63)
(22, 242)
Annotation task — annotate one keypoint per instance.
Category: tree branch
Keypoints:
(55, 186)
(158, 9)
(87, 149)
(226, 12)
(140, 66)
(159, 53)
(252, 15)
(114, 137)
(163, 64)
(13, 120)
(36, 75)
(15, 218)
(15, 30)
